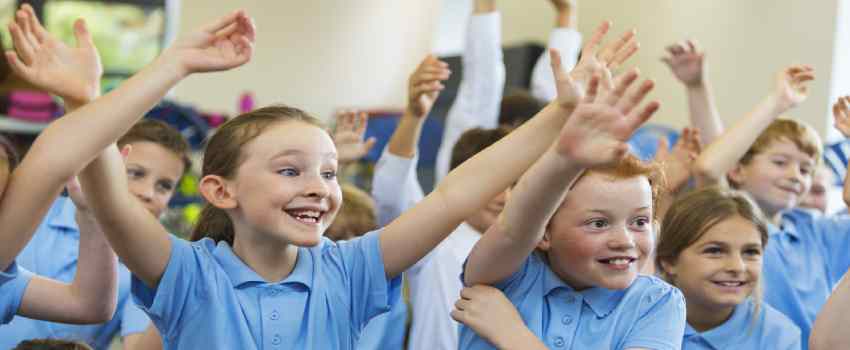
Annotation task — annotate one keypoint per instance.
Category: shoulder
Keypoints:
(775, 323)
(654, 293)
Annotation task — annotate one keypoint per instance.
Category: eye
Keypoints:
(329, 175)
(712, 251)
(805, 171)
(164, 186)
(778, 162)
(288, 172)
(135, 173)
(752, 252)
(597, 224)
(641, 222)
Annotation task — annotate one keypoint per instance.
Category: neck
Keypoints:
(273, 261)
(703, 318)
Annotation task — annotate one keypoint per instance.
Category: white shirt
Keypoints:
(568, 42)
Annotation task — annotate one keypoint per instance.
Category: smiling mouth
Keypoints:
(309, 217)
(730, 283)
(618, 262)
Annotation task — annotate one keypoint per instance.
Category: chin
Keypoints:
(617, 282)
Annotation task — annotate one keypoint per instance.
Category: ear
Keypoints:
(217, 191)
(546, 242)
(737, 175)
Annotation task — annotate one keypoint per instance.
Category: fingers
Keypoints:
(621, 84)
(592, 89)
(430, 70)
(38, 31)
(597, 37)
(17, 66)
(662, 148)
(25, 50)
(644, 114)
(223, 22)
(610, 51)
(634, 98)
(82, 34)
(622, 55)
(555, 63)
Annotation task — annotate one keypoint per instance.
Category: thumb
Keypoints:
(82, 34)
(75, 192)
(367, 146)
(663, 148)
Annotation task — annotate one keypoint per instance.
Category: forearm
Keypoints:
(405, 139)
(534, 200)
(829, 331)
(95, 281)
(135, 235)
(703, 112)
(468, 188)
(149, 340)
(567, 18)
(846, 191)
(723, 154)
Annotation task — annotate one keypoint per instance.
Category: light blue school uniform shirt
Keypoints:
(746, 330)
(208, 298)
(13, 284)
(53, 252)
(386, 331)
(803, 261)
(648, 314)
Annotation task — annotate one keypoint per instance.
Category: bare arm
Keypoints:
(149, 340)
(491, 315)
(473, 183)
(137, 237)
(423, 88)
(830, 328)
(594, 135)
(841, 116)
(688, 64)
(723, 154)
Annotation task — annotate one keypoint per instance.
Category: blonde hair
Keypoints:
(801, 134)
(356, 216)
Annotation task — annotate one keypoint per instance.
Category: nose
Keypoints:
(143, 190)
(622, 239)
(317, 187)
(735, 263)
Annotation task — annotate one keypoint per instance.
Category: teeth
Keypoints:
(618, 261)
(308, 216)
(731, 284)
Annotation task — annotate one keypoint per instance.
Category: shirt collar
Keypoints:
(61, 214)
(727, 335)
(787, 224)
(241, 274)
(600, 300)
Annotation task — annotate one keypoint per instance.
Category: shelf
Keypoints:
(16, 126)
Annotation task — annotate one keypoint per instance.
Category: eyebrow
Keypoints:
(295, 152)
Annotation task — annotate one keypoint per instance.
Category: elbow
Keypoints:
(818, 342)
(98, 311)
(706, 173)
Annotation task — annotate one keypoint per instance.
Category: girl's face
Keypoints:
(286, 187)
(5, 170)
(602, 233)
(153, 173)
(720, 269)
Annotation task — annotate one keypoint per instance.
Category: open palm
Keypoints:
(791, 88)
(841, 114)
(51, 65)
(227, 43)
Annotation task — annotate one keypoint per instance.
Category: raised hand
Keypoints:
(348, 136)
(425, 84)
(490, 314)
(841, 114)
(222, 45)
(596, 133)
(678, 163)
(593, 62)
(791, 88)
(72, 73)
(563, 5)
(687, 62)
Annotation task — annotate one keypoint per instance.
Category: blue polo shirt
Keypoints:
(803, 261)
(53, 253)
(648, 314)
(387, 330)
(208, 298)
(746, 330)
(13, 284)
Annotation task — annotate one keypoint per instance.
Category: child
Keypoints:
(269, 178)
(583, 290)
(433, 280)
(711, 248)
(772, 160)
(51, 344)
(817, 199)
(32, 187)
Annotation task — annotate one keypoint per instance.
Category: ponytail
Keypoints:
(213, 223)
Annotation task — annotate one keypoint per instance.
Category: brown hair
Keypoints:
(801, 134)
(356, 216)
(51, 344)
(518, 107)
(696, 212)
(11, 152)
(223, 155)
(473, 141)
(151, 130)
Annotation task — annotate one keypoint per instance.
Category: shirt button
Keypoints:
(272, 292)
(571, 299)
(559, 342)
(276, 340)
(566, 320)
(274, 316)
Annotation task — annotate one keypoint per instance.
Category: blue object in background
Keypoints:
(382, 126)
(644, 142)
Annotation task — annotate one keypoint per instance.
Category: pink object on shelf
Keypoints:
(214, 119)
(246, 102)
(31, 106)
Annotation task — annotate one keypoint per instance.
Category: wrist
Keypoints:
(520, 337)
(171, 64)
(775, 104)
(484, 6)
(697, 85)
(566, 18)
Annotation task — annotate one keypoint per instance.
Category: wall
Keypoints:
(328, 53)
